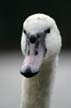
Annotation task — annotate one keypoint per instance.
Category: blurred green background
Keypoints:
(13, 13)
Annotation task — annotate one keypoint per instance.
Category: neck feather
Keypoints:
(36, 90)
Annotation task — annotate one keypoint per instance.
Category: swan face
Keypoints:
(40, 42)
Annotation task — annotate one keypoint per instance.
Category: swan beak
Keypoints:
(28, 73)
(33, 57)
(31, 65)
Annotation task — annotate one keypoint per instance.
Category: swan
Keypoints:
(40, 45)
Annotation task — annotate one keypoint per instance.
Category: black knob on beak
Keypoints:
(32, 39)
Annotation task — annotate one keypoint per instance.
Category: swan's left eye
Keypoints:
(47, 31)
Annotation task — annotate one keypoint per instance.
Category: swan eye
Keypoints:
(24, 31)
(47, 31)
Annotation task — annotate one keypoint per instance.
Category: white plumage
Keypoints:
(36, 90)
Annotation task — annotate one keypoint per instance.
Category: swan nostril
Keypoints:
(32, 39)
(36, 53)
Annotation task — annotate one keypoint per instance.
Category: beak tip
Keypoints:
(28, 74)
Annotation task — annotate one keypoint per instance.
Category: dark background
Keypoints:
(13, 13)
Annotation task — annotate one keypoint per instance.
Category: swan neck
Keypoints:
(36, 91)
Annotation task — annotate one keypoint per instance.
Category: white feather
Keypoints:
(36, 90)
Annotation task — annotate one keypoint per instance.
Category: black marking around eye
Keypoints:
(28, 52)
(36, 48)
(38, 35)
(45, 51)
(37, 44)
(47, 31)
(24, 31)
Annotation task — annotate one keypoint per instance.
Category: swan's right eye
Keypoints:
(24, 31)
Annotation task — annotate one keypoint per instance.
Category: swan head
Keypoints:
(40, 42)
